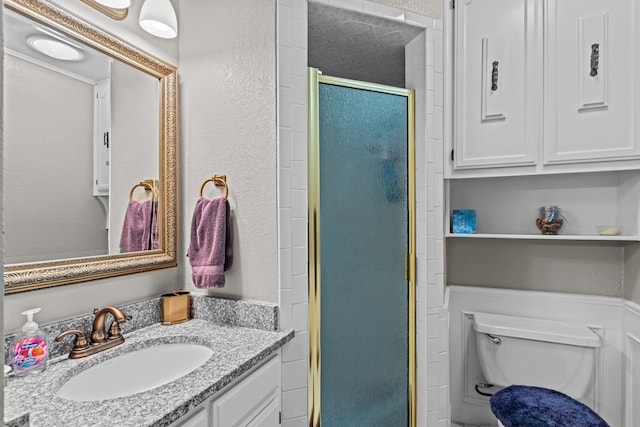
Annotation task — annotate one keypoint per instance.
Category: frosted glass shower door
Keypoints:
(363, 226)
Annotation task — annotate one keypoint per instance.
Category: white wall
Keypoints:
(423, 69)
(71, 300)
(430, 8)
(227, 83)
(134, 141)
(632, 272)
(39, 159)
(588, 268)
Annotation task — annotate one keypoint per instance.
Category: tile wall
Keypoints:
(425, 72)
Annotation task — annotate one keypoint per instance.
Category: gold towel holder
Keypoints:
(148, 185)
(219, 181)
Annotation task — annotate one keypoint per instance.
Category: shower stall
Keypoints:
(361, 253)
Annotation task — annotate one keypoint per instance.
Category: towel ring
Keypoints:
(148, 185)
(219, 181)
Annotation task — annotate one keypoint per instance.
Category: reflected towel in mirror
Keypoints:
(140, 228)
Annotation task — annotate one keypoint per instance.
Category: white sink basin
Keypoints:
(135, 372)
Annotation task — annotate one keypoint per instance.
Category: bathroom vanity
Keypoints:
(254, 400)
(238, 385)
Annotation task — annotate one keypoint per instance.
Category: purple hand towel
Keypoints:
(207, 247)
(228, 244)
(140, 228)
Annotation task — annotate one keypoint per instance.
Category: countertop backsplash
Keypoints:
(246, 313)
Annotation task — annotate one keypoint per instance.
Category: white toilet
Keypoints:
(535, 352)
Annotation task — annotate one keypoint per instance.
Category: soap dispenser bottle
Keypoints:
(29, 350)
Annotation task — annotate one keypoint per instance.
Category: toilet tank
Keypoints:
(537, 352)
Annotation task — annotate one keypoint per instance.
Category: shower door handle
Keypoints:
(406, 267)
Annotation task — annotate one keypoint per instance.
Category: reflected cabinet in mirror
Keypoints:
(90, 147)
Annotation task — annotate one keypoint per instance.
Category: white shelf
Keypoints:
(592, 237)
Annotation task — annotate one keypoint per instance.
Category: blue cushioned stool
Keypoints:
(526, 406)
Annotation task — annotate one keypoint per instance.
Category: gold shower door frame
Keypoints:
(315, 77)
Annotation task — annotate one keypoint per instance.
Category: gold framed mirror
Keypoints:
(50, 271)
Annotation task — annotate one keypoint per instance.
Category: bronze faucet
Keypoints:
(100, 339)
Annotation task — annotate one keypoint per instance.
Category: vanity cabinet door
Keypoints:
(199, 418)
(589, 90)
(269, 416)
(254, 402)
(495, 83)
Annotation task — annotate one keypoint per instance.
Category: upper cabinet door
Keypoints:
(589, 87)
(495, 83)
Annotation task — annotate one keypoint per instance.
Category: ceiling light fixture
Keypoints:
(157, 17)
(54, 48)
(115, 9)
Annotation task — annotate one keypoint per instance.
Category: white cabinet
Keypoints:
(495, 79)
(101, 138)
(589, 90)
(545, 86)
(252, 402)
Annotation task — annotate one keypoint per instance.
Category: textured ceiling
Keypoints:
(354, 45)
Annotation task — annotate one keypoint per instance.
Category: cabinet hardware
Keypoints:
(494, 76)
(452, 156)
(452, 4)
(595, 58)
(105, 139)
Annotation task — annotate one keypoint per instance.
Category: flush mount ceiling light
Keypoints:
(116, 9)
(54, 48)
(157, 17)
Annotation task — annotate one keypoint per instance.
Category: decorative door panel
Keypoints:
(495, 84)
(589, 81)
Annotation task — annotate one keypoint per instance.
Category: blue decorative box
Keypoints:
(463, 221)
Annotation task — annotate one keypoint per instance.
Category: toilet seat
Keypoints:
(528, 406)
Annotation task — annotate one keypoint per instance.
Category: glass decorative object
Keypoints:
(463, 221)
(550, 220)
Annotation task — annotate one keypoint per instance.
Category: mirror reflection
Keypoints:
(81, 136)
(90, 131)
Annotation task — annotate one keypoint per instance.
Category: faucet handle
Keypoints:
(115, 332)
(80, 342)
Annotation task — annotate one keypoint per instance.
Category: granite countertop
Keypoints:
(236, 350)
